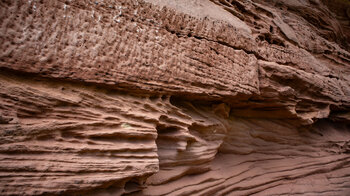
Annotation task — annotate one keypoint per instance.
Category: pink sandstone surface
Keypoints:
(175, 97)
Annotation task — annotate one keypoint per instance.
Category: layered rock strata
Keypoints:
(153, 97)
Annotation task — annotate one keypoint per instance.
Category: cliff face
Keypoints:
(174, 97)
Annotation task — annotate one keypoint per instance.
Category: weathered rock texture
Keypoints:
(174, 97)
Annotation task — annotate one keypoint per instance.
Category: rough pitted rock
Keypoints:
(161, 97)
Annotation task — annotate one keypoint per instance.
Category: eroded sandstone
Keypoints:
(153, 97)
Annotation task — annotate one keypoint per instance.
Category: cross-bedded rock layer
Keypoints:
(218, 97)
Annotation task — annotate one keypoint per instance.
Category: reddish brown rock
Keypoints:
(219, 97)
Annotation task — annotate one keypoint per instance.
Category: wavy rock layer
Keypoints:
(177, 97)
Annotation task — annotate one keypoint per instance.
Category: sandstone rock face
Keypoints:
(161, 97)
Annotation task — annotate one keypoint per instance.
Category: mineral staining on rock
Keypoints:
(219, 97)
